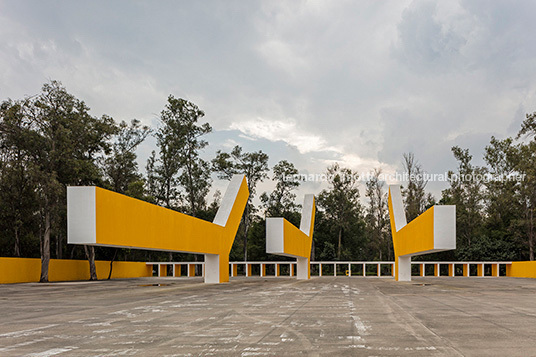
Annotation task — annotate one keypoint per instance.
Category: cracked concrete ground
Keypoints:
(338, 316)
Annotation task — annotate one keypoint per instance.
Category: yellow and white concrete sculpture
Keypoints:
(99, 217)
(433, 231)
(283, 238)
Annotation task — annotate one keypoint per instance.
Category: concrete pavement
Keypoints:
(337, 316)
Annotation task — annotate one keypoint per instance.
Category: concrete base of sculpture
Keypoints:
(303, 269)
(404, 268)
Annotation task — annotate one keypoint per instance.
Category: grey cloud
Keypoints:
(493, 37)
(374, 79)
(425, 45)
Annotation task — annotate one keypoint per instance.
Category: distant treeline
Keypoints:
(50, 141)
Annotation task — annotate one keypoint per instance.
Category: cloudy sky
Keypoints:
(313, 82)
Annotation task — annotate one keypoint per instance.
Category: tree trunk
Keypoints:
(17, 242)
(59, 249)
(531, 236)
(381, 246)
(45, 249)
(340, 245)
(112, 262)
(72, 251)
(168, 189)
(246, 229)
(198, 268)
(245, 221)
(390, 248)
(90, 254)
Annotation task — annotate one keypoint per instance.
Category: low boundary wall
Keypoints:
(383, 269)
(522, 269)
(28, 270)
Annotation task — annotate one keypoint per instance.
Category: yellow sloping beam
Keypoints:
(417, 236)
(104, 218)
(128, 222)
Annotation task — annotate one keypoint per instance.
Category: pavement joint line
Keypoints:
(475, 316)
(511, 309)
(403, 311)
(288, 317)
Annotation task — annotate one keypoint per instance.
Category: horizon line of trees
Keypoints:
(50, 140)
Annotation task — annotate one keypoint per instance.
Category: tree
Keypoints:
(179, 178)
(528, 127)
(121, 168)
(377, 217)
(281, 201)
(527, 192)
(503, 208)
(341, 201)
(62, 141)
(17, 195)
(527, 167)
(466, 191)
(414, 194)
(254, 165)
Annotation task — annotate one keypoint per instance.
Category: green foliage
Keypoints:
(178, 177)
(51, 140)
(328, 253)
(54, 142)
(254, 165)
(377, 218)
(257, 240)
(120, 168)
(493, 208)
(281, 202)
(528, 127)
(341, 203)
(18, 198)
(414, 194)
(466, 192)
(526, 166)
(486, 248)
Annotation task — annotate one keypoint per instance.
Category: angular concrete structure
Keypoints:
(283, 238)
(99, 217)
(433, 231)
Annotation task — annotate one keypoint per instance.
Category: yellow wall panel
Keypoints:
(27, 270)
(522, 269)
(19, 270)
(417, 235)
(125, 221)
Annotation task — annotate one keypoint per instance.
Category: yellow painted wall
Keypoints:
(27, 270)
(19, 270)
(128, 222)
(522, 269)
(296, 242)
(123, 221)
(416, 236)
